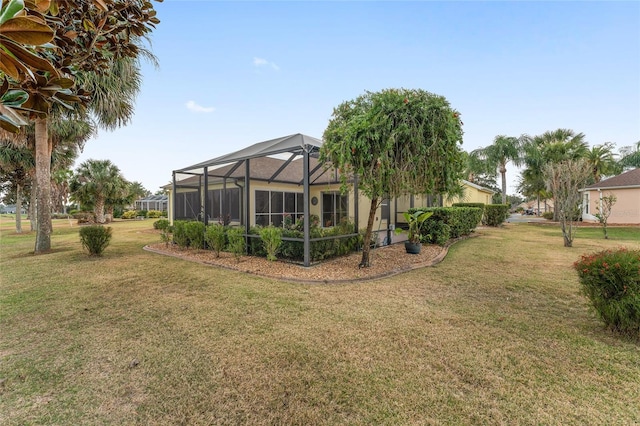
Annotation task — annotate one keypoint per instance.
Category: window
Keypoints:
(335, 207)
(272, 207)
(385, 213)
(224, 205)
(586, 202)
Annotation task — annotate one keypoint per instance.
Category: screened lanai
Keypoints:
(220, 189)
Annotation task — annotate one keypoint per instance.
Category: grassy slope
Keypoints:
(497, 333)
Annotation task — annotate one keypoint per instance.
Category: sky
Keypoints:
(232, 74)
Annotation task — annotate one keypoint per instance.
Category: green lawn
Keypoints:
(496, 334)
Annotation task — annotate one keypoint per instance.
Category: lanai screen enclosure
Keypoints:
(233, 173)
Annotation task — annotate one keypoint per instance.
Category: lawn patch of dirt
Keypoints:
(385, 261)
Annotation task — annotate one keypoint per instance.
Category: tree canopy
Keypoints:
(395, 142)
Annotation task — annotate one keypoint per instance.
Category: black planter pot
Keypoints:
(412, 248)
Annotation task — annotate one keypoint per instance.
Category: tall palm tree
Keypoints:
(630, 156)
(95, 182)
(504, 149)
(552, 147)
(601, 160)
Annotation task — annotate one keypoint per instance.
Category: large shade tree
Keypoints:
(95, 183)
(395, 142)
(503, 150)
(44, 55)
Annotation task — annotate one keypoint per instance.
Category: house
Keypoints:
(152, 202)
(625, 187)
(273, 181)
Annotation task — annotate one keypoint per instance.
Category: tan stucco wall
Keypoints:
(626, 210)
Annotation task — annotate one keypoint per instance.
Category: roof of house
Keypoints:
(478, 187)
(294, 144)
(270, 170)
(630, 179)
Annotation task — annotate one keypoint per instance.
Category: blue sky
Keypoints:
(235, 73)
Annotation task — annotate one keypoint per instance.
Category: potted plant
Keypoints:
(415, 221)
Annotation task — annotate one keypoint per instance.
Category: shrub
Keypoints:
(180, 237)
(216, 238)
(142, 213)
(130, 214)
(154, 214)
(495, 214)
(548, 215)
(271, 237)
(461, 220)
(95, 239)
(195, 233)
(236, 241)
(611, 281)
(436, 232)
(84, 217)
(161, 224)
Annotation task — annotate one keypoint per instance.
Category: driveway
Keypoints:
(523, 218)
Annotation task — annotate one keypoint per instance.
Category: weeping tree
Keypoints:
(395, 142)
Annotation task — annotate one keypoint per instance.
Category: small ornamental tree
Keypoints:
(603, 211)
(396, 142)
(564, 179)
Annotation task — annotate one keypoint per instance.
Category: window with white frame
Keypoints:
(274, 207)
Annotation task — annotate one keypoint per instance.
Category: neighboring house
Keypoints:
(10, 209)
(625, 187)
(473, 193)
(545, 205)
(153, 202)
(250, 187)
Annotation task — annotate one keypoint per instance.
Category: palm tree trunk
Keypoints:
(18, 209)
(503, 173)
(366, 246)
(43, 186)
(99, 210)
(31, 211)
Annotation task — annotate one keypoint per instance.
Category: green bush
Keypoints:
(195, 233)
(611, 281)
(161, 224)
(496, 214)
(548, 215)
(236, 245)
(84, 217)
(130, 214)
(154, 214)
(180, 237)
(271, 237)
(95, 239)
(461, 220)
(436, 232)
(216, 238)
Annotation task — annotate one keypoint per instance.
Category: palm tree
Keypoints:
(95, 182)
(630, 156)
(601, 160)
(504, 149)
(551, 147)
(15, 164)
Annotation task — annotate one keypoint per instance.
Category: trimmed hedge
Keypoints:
(188, 234)
(461, 220)
(496, 214)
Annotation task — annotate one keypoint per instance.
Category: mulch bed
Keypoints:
(385, 261)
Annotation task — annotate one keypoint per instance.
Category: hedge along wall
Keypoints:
(461, 220)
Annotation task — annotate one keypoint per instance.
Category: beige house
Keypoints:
(271, 182)
(625, 187)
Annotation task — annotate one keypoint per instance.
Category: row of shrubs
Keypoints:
(492, 214)
(149, 214)
(271, 242)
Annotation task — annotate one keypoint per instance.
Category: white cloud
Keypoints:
(260, 62)
(192, 106)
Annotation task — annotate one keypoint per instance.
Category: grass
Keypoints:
(498, 333)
